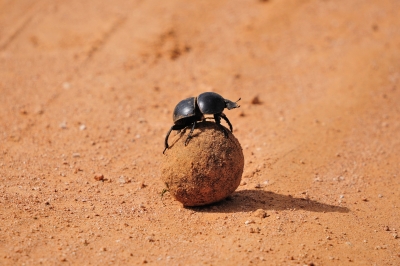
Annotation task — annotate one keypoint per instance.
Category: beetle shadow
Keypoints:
(253, 199)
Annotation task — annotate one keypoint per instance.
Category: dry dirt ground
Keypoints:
(88, 88)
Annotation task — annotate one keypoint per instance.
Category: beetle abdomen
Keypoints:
(184, 109)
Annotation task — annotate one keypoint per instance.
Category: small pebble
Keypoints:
(150, 239)
(63, 125)
(386, 228)
(122, 179)
(260, 213)
(256, 100)
(349, 244)
(99, 177)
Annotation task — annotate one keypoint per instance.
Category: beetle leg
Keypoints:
(227, 121)
(166, 139)
(217, 118)
(190, 133)
(174, 127)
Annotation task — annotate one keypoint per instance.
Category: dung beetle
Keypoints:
(192, 110)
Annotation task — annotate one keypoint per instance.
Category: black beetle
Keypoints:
(191, 110)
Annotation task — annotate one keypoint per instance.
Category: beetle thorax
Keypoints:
(210, 103)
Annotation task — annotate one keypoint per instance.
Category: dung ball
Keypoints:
(208, 169)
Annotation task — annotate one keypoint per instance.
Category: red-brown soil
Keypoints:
(88, 88)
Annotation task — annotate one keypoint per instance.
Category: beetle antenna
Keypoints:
(238, 100)
(230, 105)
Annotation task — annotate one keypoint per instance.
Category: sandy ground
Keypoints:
(88, 88)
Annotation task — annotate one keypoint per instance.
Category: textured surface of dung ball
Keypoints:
(205, 171)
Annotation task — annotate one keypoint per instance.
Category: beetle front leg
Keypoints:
(217, 118)
(227, 121)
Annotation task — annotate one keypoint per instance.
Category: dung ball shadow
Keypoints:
(253, 199)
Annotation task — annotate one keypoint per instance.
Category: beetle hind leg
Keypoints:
(174, 127)
(166, 146)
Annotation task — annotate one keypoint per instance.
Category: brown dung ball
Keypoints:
(205, 171)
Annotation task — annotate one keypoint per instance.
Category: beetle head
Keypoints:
(231, 105)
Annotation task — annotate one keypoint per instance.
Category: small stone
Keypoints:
(142, 185)
(82, 127)
(260, 213)
(76, 155)
(23, 111)
(63, 125)
(249, 222)
(256, 100)
(150, 238)
(99, 177)
(39, 110)
(122, 179)
(386, 228)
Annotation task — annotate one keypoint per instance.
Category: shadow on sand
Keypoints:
(253, 199)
